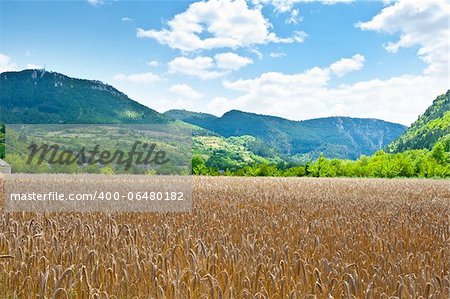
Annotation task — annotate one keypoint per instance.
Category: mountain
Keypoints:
(339, 137)
(431, 127)
(196, 118)
(38, 96)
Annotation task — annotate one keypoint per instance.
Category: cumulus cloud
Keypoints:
(6, 64)
(287, 5)
(309, 94)
(422, 23)
(126, 19)
(346, 65)
(185, 91)
(205, 67)
(201, 67)
(229, 24)
(231, 61)
(142, 78)
(269, 82)
(308, 80)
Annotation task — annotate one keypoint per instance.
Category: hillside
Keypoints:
(37, 96)
(340, 137)
(196, 118)
(432, 126)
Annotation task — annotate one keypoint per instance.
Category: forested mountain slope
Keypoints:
(37, 96)
(431, 127)
(340, 137)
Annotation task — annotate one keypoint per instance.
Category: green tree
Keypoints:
(267, 170)
(198, 165)
(438, 153)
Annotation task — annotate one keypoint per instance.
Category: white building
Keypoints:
(4, 167)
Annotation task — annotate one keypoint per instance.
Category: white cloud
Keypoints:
(308, 95)
(276, 93)
(6, 64)
(219, 105)
(277, 54)
(201, 66)
(231, 61)
(185, 91)
(287, 5)
(152, 63)
(205, 67)
(403, 98)
(308, 80)
(422, 23)
(126, 19)
(346, 65)
(143, 78)
(31, 66)
(299, 36)
(230, 24)
(96, 2)
(294, 17)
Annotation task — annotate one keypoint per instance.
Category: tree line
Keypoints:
(434, 163)
(422, 163)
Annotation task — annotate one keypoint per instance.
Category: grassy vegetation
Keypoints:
(245, 238)
(233, 152)
(235, 156)
(172, 139)
(412, 163)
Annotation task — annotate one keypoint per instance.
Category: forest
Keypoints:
(421, 163)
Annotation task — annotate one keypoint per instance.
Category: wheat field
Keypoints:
(245, 238)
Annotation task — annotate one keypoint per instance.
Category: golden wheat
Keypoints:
(245, 238)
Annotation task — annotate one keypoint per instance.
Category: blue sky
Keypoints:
(297, 59)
